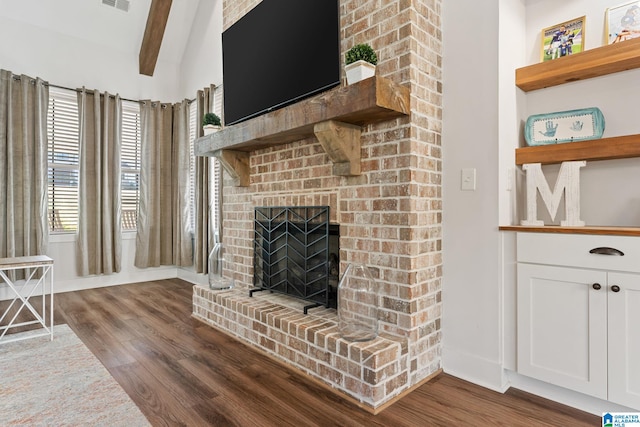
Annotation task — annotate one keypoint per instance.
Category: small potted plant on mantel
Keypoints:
(210, 123)
(360, 63)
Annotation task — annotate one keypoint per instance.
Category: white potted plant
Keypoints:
(210, 123)
(360, 63)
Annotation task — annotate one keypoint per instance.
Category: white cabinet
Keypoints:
(579, 321)
(562, 327)
(624, 339)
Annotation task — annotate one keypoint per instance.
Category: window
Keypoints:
(130, 164)
(214, 164)
(63, 153)
(193, 127)
(216, 172)
(62, 132)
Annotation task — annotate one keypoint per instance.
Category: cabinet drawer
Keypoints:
(572, 250)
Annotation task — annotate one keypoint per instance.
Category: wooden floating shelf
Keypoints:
(335, 117)
(617, 147)
(591, 63)
(609, 231)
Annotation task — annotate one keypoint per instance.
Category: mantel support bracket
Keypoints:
(236, 163)
(341, 141)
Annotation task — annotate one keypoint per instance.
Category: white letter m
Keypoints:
(568, 182)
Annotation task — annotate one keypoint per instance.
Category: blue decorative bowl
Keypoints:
(564, 126)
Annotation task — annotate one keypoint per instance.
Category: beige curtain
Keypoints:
(23, 165)
(99, 226)
(163, 217)
(206, 177)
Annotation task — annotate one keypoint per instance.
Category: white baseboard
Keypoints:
(141, 275)
(191, 276)
(564, 396)
(101, 281)
(483, 372)
(491, 375)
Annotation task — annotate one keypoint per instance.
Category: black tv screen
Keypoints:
(279, 52)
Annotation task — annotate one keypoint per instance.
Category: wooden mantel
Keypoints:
(335, 117)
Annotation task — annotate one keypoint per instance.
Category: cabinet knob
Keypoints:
(597, 286)
(615, 288)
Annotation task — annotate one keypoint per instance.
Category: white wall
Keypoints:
(41, 39)
(62, 250)
(471, 241)
(202, 59)
(70, 61)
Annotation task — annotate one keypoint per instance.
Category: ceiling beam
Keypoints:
(153, 33)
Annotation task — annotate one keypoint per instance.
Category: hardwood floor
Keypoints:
(182, 372)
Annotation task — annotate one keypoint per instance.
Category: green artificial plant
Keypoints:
(211, 119)
(361, 52)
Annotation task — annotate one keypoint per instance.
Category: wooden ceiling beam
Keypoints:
(153, 33)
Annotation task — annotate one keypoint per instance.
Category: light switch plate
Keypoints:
(468, 179)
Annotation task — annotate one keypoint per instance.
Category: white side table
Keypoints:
(23, 291)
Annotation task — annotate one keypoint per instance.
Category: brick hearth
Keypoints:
(371, 372)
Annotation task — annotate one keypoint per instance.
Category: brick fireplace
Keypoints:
(389, 217)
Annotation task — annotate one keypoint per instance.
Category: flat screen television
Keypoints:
(281, 51)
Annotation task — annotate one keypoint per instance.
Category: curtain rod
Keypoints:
(18, 77)
(92, 91)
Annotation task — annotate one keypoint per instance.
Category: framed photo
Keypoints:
(564, 39)
(623, 22)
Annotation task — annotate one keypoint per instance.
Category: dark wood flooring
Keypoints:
(182, 372)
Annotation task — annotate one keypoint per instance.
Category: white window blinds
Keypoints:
(130, 164)
(216, 185)
(193, 127)
(62, 132)
(214, 164)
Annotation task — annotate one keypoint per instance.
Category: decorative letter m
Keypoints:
(568, 182)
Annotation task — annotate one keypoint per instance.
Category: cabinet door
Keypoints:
(624, 339)
(562, 327)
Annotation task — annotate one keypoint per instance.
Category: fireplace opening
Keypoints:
(296, 252)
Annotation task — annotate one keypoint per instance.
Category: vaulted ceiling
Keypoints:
(115, 28)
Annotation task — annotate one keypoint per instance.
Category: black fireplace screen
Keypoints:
(292, 253)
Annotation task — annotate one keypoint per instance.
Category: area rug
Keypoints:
(60, 383)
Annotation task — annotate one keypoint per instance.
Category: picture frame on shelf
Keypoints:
(623, 22)
(563, 39)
